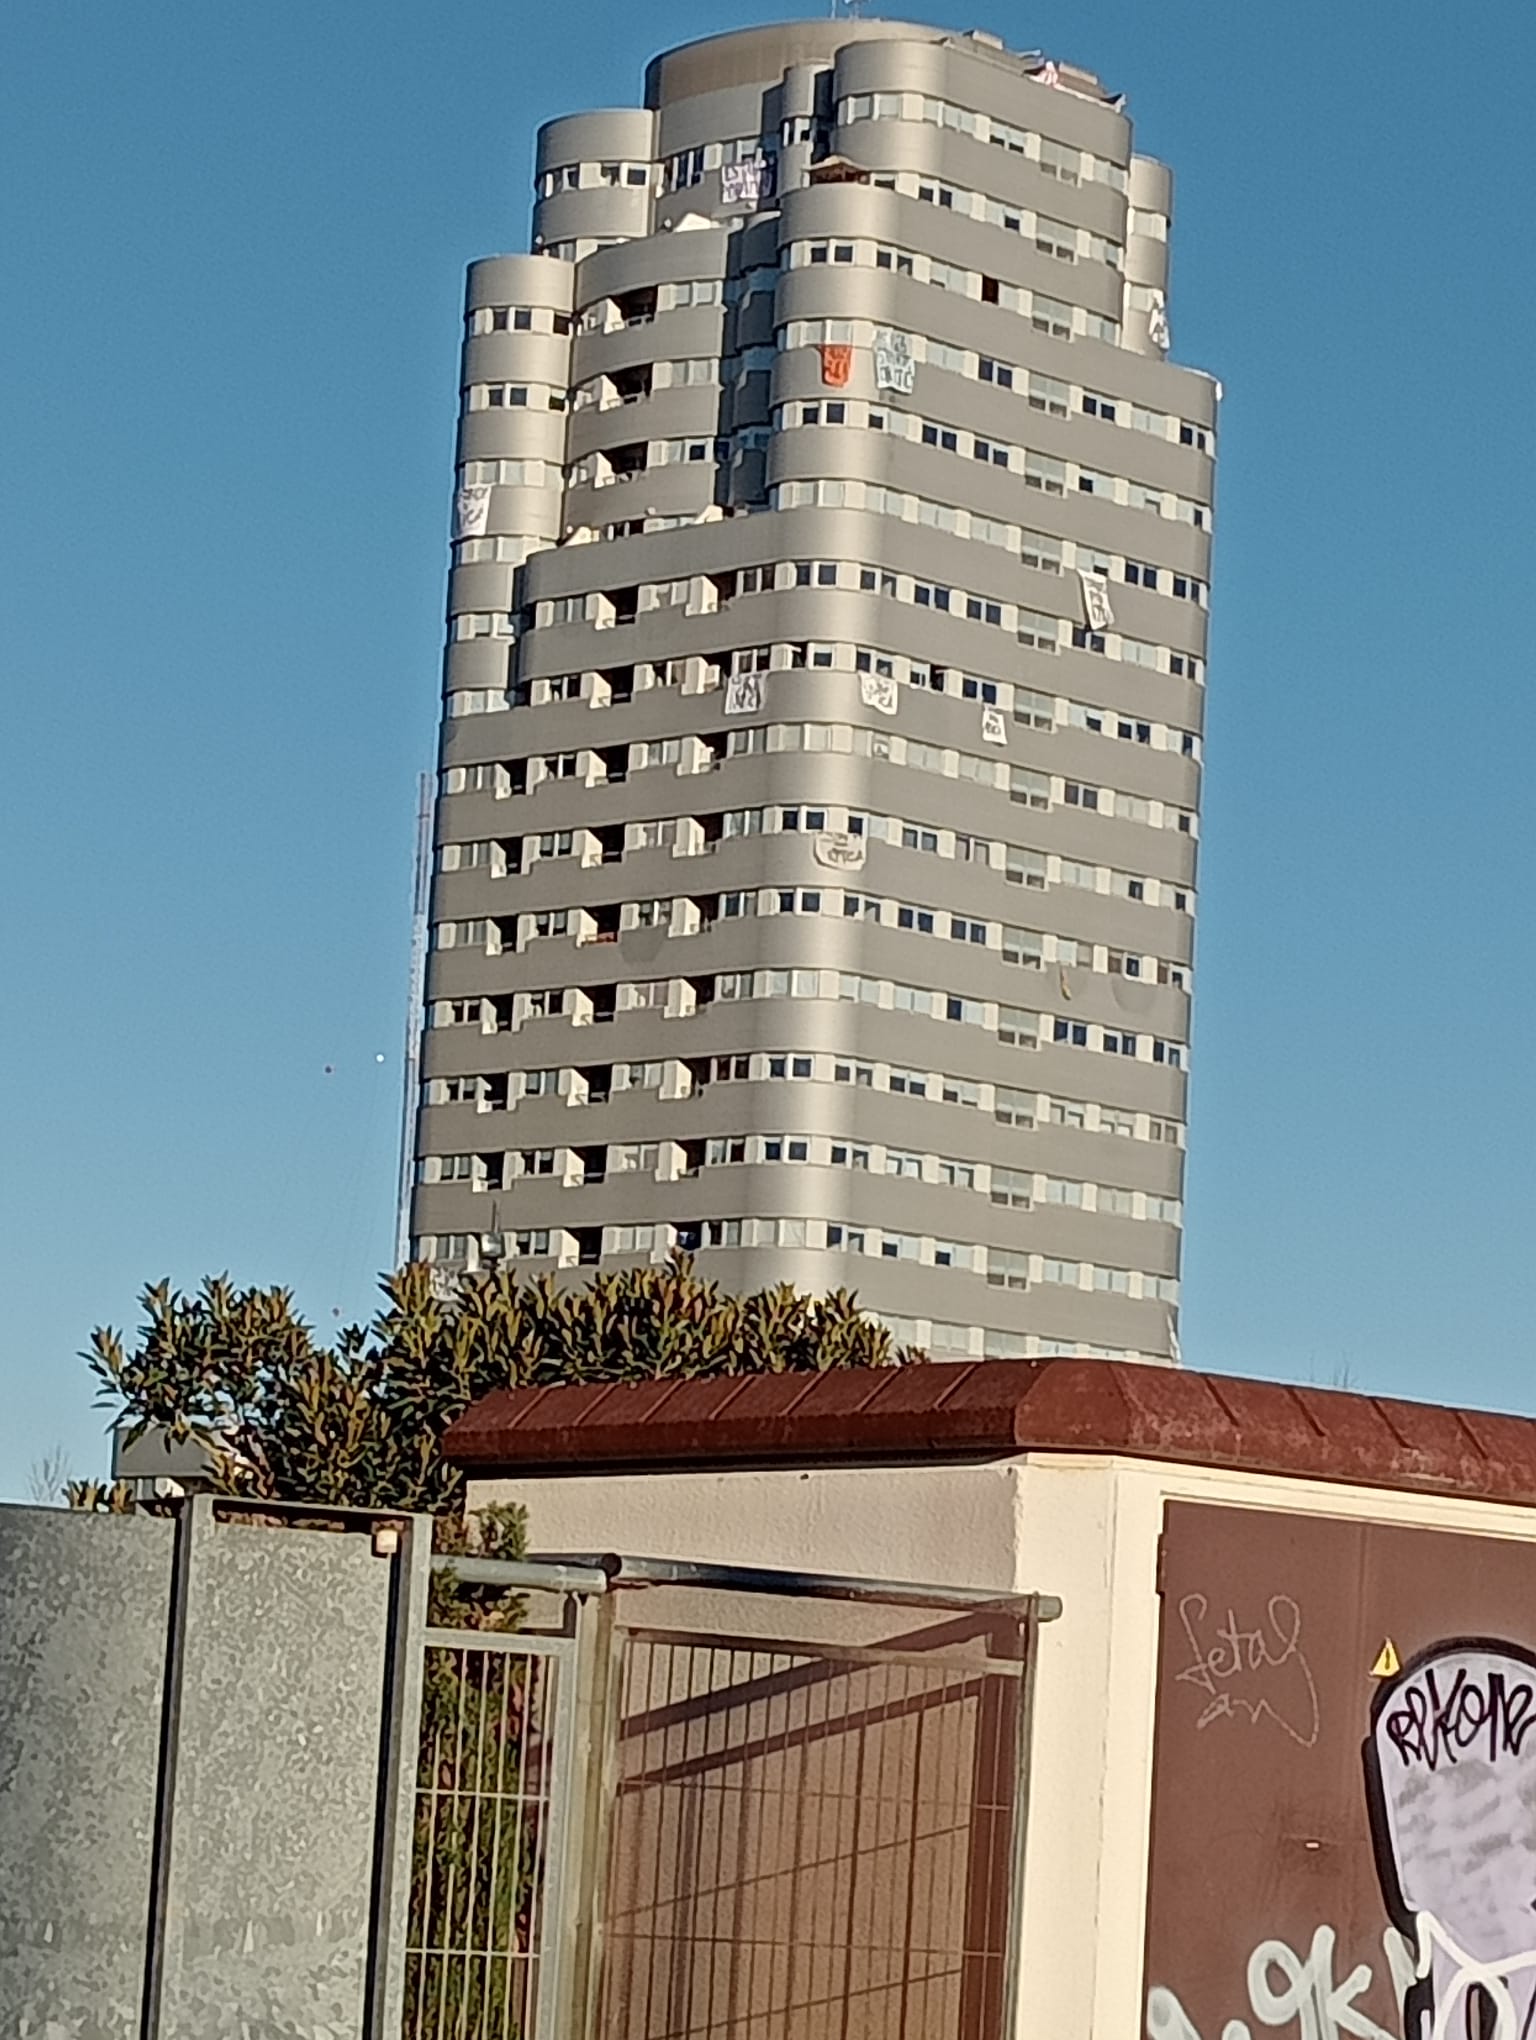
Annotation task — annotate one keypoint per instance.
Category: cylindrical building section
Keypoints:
(594, 181)
(1149, 223)
(513, 410)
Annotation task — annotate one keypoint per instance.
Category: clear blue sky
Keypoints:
(234, 244)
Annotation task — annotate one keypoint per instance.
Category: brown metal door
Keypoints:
(1274, 1895)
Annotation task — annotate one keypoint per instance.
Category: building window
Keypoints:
(1014, 1108)
(1046, 394)
(1007, 1270)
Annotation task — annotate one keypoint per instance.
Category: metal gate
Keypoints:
(483, 1946)
(689, 1803)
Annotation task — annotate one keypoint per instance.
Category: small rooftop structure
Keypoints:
(1286, 1617)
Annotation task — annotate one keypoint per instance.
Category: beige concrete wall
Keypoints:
(1083, 1528)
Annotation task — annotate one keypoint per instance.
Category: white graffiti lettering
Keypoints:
(1289, 1990)
(1508, 1984)
(1252, 1674)
(1286, 1989)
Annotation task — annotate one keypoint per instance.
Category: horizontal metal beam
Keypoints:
(622, 1570)
(312, 1512)
(554, 1576)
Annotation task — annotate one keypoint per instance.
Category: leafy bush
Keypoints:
(360, 1422)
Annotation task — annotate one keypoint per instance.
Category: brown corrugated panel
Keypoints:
(993, 1408)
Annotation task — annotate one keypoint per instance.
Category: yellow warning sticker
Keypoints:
(1388, 1664)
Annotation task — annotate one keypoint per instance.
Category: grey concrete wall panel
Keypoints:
(83, 1626)
(1089, 364)
(664, 258)
(519, 280)
(480, 662)
(1151, 186)
(675, 491)
(671, 336)
(854, 290)
(896, 145)
(483, 587)
(517, 358)
(521, 512)
(1146, 261)
(687, 413)
(278, 1751)
(515, 434)
(600, 212)
(610, 134)
(736, 113)
(976, 79)
(718, 63)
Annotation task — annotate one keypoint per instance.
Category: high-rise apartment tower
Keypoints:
(820, 756)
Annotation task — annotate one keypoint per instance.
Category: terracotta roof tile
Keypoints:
(995, 1408)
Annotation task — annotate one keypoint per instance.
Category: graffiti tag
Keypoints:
(1452, 1797)
(1253, 1674)
(1485, 1715)
(1286, 1988)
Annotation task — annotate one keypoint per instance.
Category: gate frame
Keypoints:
(585, 1747)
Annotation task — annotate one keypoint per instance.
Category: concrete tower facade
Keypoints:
(816, 828)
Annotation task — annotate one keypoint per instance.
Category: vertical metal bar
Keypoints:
(751, 1800)
(539, 1717)
(1013, 1988)
(683, 1966)
(793, 1862)
(663, 1657)
(556, 1779)
(637, 1701)
(861, 1734)
(195, 1521)
(454, 1815)
(472, 1867)
(914, 1833)
(596, 1703)
(399, 1768)
(514, 1967)
(505, 1668)
(888, 1805)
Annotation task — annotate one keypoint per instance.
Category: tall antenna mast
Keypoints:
(421, 885)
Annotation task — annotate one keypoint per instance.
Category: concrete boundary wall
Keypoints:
(201, 1726)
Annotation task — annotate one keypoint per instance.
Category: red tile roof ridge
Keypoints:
(996, 1409)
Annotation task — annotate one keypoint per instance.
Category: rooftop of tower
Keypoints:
(743, 56)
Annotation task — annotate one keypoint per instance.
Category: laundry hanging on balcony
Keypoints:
(1098, 612)
(471, 510)
(743, 693)
(878, 691)
(894, 362)
(752, 181)
(836, 364)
